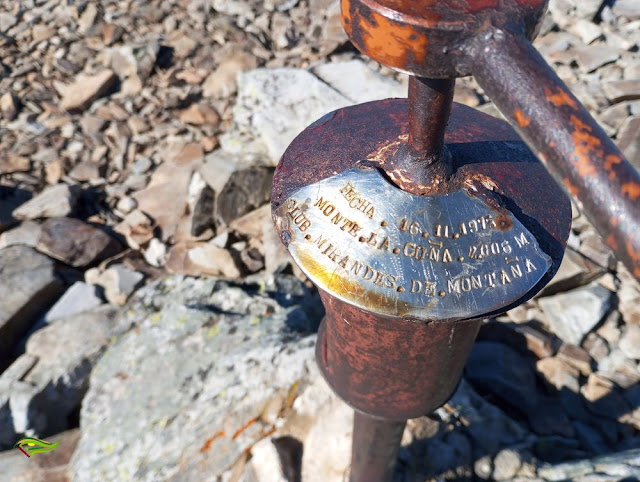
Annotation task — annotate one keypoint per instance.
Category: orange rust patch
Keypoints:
(610, 161)
(631, 190)
(209, 441)
(611, 242)
(587, 145)
(391, 43)
(635, 258)
(521, 118)
(560, 98)
(245, 427)
(570, 186)
(345, 10)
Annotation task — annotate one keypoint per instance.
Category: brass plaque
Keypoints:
(367, 242)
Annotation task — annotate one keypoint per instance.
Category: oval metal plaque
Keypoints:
(388, 251)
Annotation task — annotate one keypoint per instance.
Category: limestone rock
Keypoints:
(85, 89)
(29, 286)
(223, 348)
(573, 314)
(358, 83)
(76, 243)
(274, 105)
(53, 201)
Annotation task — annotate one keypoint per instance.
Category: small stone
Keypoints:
(604, 400)
(200, 114)
(27, 234)
(135, 62)
(506, 464)
(619, 369)
(189, 153)
(576, 357)
(627, 8)
(7, 21)
(596, 347)
(85, 89)
(593, 248)
(628, 140)
(29, 286)
(591, 57)
(111, 33)
(201, 205)
(42, 32)
(222, 82)
(573, 314)
(211, 260)
(586, 30)
(76, 243)
(169, 181)
(53, 201)
(86, 171)
(630, 342)
(78, 298)
(119, 282)
(609, 329)
(559, 374)
(137, 228)
(155, 253)
(621, 90)
(575, 270)
(9, 106)
(126, 204)
(13, 163)
(483, 467)
(88, 17)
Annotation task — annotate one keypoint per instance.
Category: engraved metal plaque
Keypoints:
(388, 251)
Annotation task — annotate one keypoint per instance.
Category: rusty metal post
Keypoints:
(375, 448)
(417, 218)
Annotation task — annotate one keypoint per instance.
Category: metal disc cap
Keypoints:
(443, 257)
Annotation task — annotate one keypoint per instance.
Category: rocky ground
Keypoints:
(145, 297)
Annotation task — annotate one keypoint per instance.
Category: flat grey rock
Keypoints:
(575, 313)
(78, 298)
(53, 201)
(29, 285)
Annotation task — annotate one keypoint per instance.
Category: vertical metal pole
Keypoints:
(374, 448)
(429, 109)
